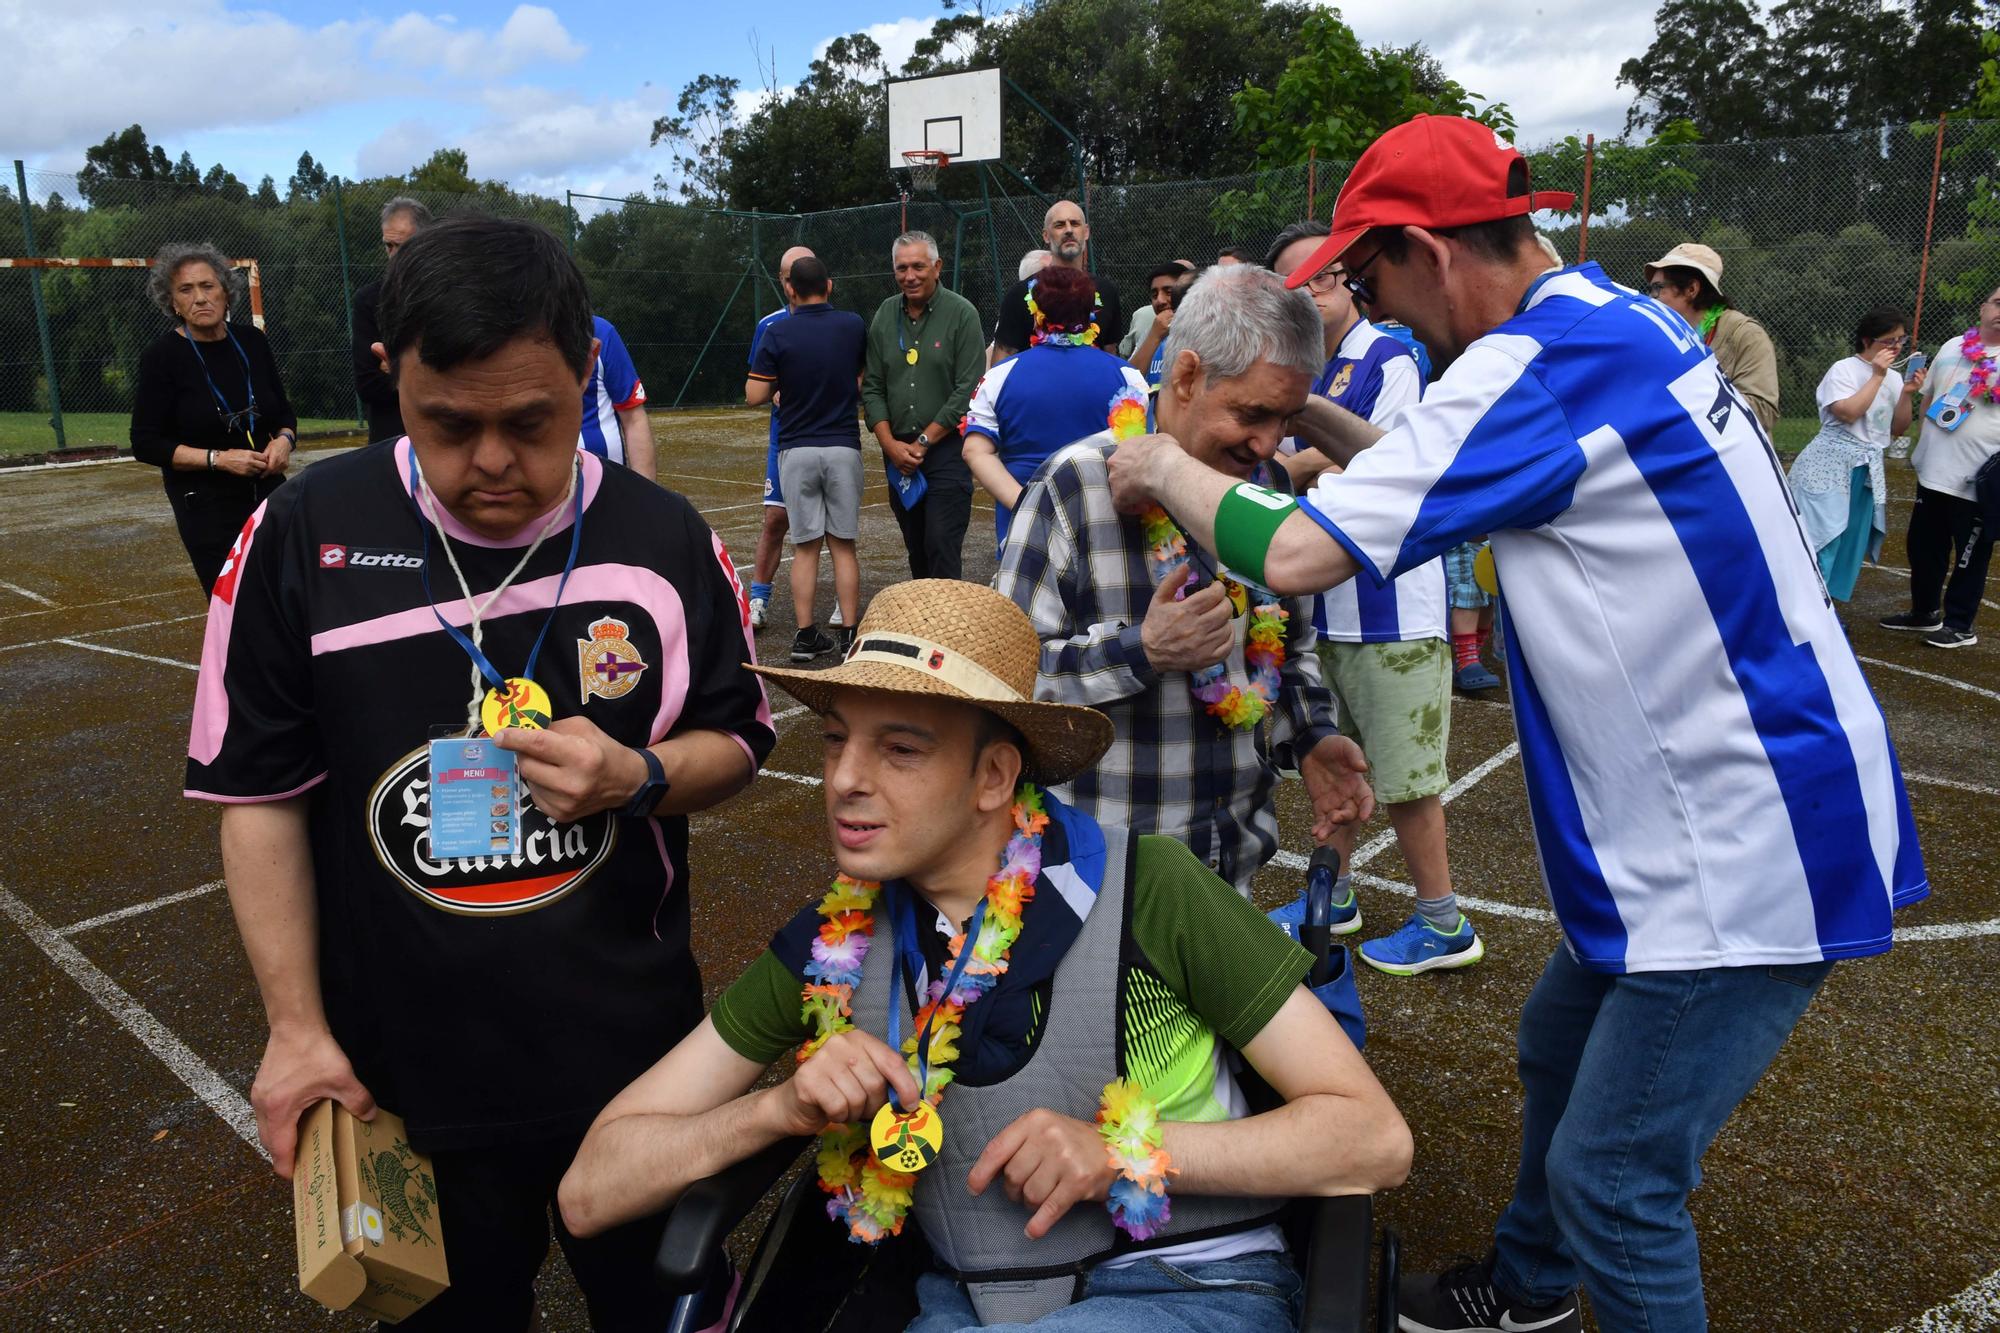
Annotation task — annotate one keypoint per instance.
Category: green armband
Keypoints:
(1246, 522)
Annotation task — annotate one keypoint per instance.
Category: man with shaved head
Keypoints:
(1067, 235)
(771, 541)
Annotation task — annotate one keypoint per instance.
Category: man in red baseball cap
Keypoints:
(1678, 680)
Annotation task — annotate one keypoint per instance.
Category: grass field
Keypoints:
(1848, 1193)
(30, 432)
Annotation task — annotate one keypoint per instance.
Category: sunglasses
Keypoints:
(1655, 288)
(1357, 285)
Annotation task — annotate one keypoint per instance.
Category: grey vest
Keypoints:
(980, 1240)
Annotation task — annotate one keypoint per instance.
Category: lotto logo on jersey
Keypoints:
(554, 858)
(357, 557)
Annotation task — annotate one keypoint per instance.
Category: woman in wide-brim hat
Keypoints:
(949, 640)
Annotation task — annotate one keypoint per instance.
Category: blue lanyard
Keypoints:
(249, 388)
(904, 916)
(906, 326)
(472, 650)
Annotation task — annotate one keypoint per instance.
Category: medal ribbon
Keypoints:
(249, 388)
(418, 493)
(905, 326)
(906, 926)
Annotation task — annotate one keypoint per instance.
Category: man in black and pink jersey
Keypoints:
(495, 1002)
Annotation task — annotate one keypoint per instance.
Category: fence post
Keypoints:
(1930, 217)
(569, 215)
(1312, 177)
(346, 288)
(41, 311)
(1583, 227)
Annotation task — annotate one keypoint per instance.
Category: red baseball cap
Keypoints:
(1430, 171)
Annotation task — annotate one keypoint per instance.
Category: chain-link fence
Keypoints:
(1814, 233)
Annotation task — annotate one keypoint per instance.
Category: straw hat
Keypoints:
(1689, 254)
(953, 640)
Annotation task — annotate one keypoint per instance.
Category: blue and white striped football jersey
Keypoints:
(1710, 778)
(614, 387)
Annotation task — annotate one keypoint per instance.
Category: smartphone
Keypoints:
(1917, 362)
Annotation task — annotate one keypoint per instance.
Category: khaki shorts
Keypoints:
(1395, 702)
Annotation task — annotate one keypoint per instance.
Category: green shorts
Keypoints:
(1395, 702)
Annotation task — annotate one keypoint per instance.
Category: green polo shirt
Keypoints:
(950, 343)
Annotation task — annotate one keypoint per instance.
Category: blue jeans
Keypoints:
(1252, 1293)
(1628, 1080)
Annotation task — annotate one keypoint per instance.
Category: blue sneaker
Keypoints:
(1417, 946)
(1474, 676)
(1345, 921)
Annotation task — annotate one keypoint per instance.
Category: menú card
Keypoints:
(475, 799)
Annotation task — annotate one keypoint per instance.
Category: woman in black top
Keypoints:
(210, 412)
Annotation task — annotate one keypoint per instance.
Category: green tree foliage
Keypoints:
(126, 156)
(445, 172)
(308, 182)
(820, 145)
(702, 136)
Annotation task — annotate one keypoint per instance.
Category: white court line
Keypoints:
(1926, 675)
(1953, 783)
(793, 711)
(139, 909)
(126, 652)
(803, 779)
(1386, 839)
(31, 596)
(114, 629)
(1905, 574)
(64, 467)
(1947, 930)
(1975, 1308)
(109, 601)
(220, 1096)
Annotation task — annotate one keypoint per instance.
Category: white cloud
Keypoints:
(531, 35)
(535, 139)
(1555, 63)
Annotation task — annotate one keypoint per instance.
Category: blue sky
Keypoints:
(563, 95)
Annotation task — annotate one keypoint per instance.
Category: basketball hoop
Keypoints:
(924, 164)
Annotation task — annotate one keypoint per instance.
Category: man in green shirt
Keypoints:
(1094, 954)
(926, 352)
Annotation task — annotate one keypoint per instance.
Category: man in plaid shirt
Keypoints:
(1116, 637)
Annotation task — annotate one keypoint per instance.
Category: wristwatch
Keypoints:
(651, 790)
(291, 436)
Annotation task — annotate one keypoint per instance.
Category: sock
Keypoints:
(1464, 650)
(1440, 913)
(760, 592)
(1343, 890)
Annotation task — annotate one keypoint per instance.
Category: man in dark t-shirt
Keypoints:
(494, 1001)
(1068, 236)
(402, 218)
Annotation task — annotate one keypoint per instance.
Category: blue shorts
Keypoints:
(1462, 589)
(774, 493)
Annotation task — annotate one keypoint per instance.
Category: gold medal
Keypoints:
(1485, 573)
(518, 703)
(907, 1143)
(910, 356)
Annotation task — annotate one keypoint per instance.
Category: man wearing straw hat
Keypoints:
(1714, 797)
(1025, 1155)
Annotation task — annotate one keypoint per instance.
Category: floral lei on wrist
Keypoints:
(1128, 1119)
(1980, 379)
(869, 1198)
(1057, 335)
(1263, 644)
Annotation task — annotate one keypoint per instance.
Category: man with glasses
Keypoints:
(1714, 796)
(1383, 648)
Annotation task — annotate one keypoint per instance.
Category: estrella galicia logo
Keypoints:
(554, 858)
(334, 555)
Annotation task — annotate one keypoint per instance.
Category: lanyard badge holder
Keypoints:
(910, 1140)
(475, 788)
(228, 414)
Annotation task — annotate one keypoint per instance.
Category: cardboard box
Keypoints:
(365, 1206)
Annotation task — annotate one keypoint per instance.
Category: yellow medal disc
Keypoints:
(1484, 572)
(911, 356)
(518, 703)
(907, 1143)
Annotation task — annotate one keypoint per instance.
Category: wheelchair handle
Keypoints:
(691, 1251)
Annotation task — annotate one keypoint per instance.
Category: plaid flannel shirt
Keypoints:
(1082, 573)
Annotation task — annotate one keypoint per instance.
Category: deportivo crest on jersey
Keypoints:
(609, 665)
(554, 859)
(1341, 379)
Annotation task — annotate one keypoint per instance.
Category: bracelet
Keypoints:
(1128, 1119)
(1246, 522)
(211, 460)
(291, 436)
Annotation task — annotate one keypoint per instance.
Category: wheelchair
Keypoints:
(805, 1276)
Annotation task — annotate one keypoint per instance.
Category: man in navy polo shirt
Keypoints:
(811, 362)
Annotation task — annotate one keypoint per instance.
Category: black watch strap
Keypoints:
(651, 790)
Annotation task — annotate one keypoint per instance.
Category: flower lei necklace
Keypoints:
(872, 1199)
(1980, 380)
(1263, 644)
(1057, 335)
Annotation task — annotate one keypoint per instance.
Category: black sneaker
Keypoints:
(1911, 622)
(809, 643)
(1952, 638)
(1462, 1299)
(843, 641)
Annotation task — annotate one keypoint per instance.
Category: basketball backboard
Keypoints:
(957, 114)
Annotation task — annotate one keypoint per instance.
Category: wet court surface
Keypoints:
(1858, 1188)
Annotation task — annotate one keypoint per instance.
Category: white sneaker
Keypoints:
(834, 619)
(756, 613)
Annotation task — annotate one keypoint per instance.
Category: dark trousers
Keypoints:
(934, 530)
(1948, 540)
(495, 1204)
(209, 520)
